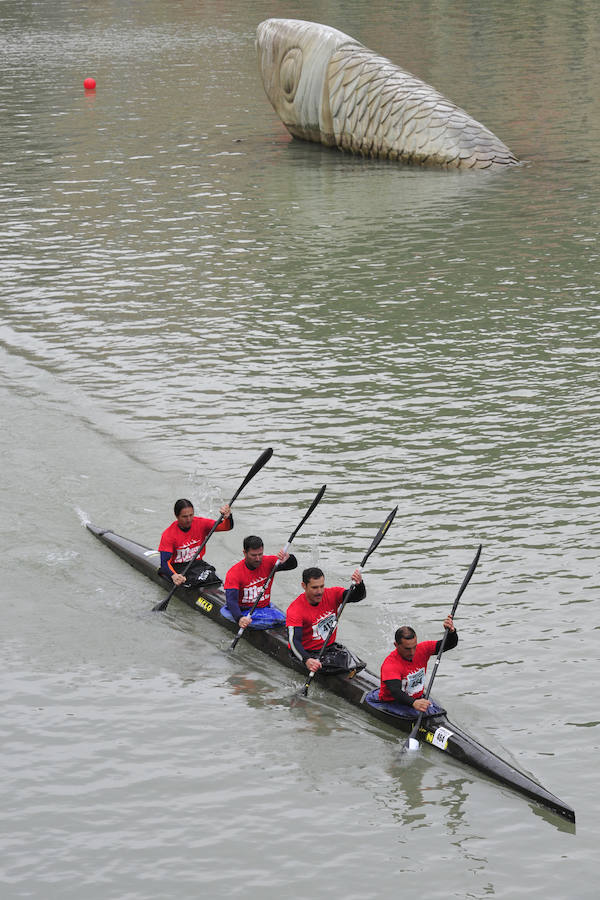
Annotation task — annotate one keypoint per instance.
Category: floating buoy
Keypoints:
(89, 84)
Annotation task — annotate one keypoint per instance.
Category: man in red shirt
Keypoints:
(312, 622)
(182, 538)
(403, 671)
(245, 581)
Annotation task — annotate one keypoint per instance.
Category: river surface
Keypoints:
(182, 286)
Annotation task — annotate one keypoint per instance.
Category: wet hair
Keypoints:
(405, 632)
(252, 542)
(181, 504)
(313, 573)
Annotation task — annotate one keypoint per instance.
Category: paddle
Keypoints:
(375, 543)
(412, 743)
(313, 505)
(264, 457)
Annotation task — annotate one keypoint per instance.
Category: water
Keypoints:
(183, 286)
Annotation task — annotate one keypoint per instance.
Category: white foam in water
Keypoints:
(83, 516)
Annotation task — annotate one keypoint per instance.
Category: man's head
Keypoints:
(405, 641)
(313, 582)
(253, 551)
(184, 513)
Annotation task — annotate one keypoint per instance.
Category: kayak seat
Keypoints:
(262, 617)
(400, 709)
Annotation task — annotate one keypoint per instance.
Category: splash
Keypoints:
(83, 516)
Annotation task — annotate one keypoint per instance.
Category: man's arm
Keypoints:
(167, 569)
(298, 649)
(354, 596)
(165, 557)
(290, 563)
(295, 638)
(232, 598)
(451, 642)
(451, 637)
(394, 686)
(227, 523)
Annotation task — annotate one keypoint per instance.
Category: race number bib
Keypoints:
(415, 682)
(440, 738)
(324, 627)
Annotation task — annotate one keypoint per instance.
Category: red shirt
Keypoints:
(411, 674)
(249, 582)
(316, 621)
(183, 544)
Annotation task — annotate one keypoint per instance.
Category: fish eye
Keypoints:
(289, 72)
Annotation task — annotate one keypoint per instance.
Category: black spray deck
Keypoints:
(436, 730)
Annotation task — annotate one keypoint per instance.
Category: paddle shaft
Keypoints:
(264, 457)
(375, 543)
(271, 575)
(466, 579)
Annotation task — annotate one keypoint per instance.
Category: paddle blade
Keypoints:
(264, 458)
(308, 512)
(379, 536)
(411, 745)
(304, 690)
(160, 607)
(234, 642)
(467, 578)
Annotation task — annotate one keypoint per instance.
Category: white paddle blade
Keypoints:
(412, 745)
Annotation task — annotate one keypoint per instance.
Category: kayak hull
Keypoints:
(437, 731)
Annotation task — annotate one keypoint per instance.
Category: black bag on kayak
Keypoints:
(200, 574)
(337, 659)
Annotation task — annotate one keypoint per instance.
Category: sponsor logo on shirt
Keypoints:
(252, 591)
(184, 554)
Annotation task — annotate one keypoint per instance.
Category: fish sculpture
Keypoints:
(328, 88)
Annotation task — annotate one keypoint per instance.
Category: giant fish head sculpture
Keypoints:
(327, 87)
(293, 58)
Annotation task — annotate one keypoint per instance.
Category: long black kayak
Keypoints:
(357, 686)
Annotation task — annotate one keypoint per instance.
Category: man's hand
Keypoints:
(244, 621)
(449, 624)
(177, 578)
(421, 705)
(313, 665)
(225, 511)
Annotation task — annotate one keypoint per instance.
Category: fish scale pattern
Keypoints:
(380, 110)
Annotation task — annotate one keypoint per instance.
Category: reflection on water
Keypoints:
(415, 788)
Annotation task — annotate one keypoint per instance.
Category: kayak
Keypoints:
(359, 687)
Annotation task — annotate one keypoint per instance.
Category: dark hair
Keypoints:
(252, 542)
(404, 632)
(181, 504)
(312, 572)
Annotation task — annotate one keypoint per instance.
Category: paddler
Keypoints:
(312, 622)
(249, 577)
(403, 671)
(181, 540)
